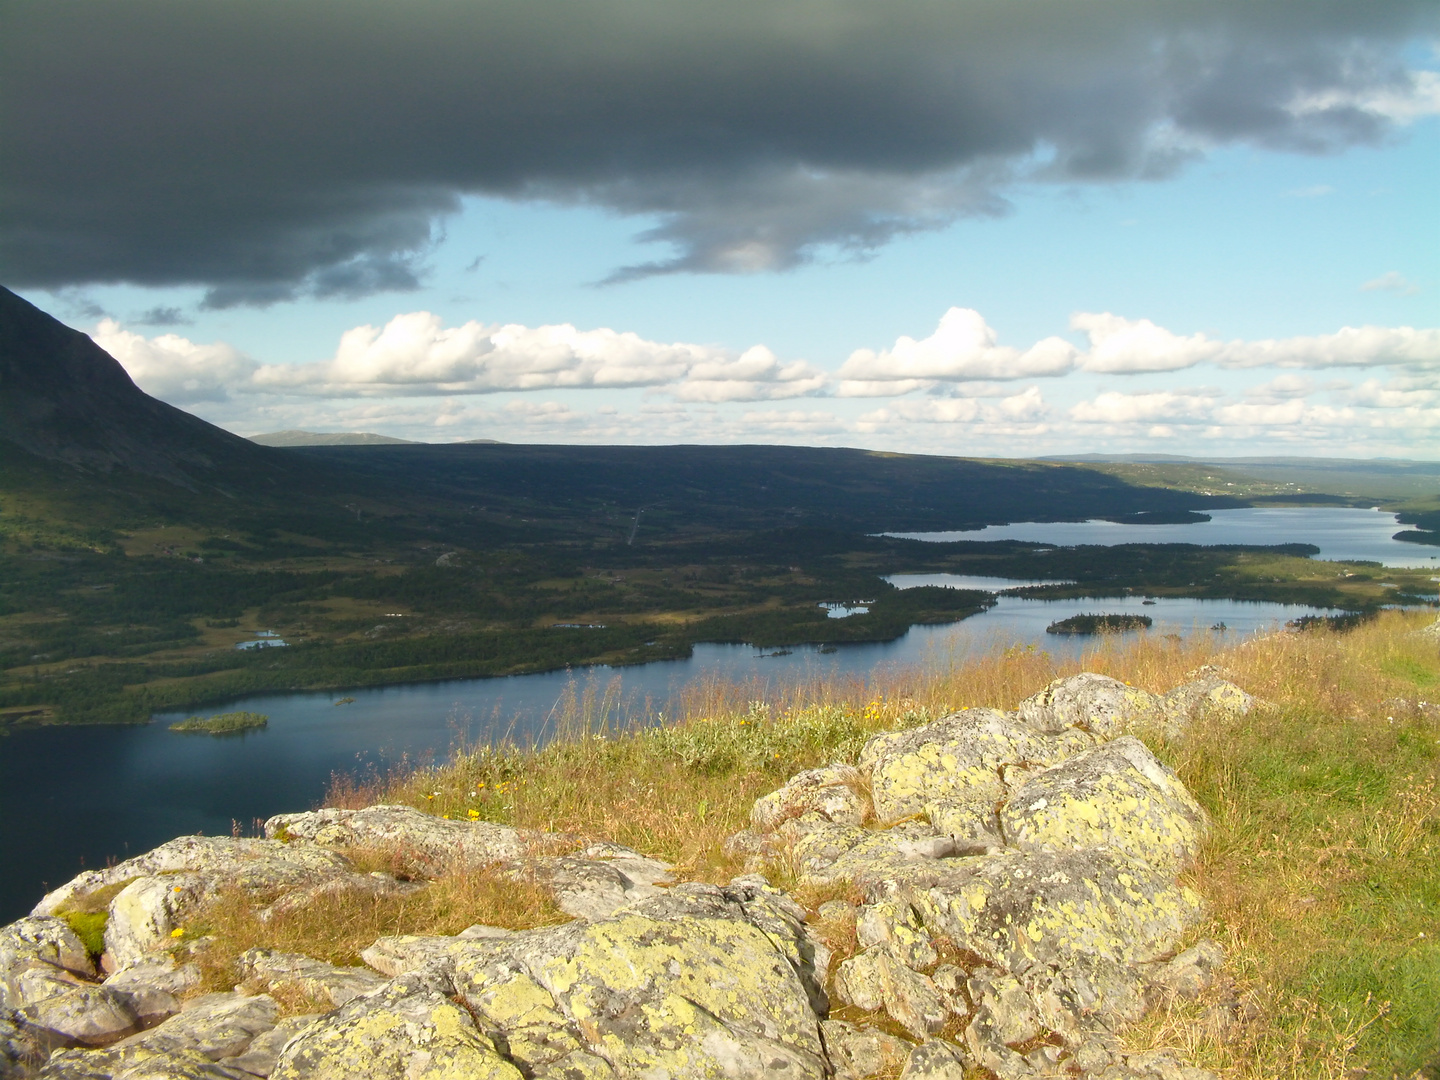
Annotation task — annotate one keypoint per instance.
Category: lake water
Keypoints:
(1339, 532)
(75, 797)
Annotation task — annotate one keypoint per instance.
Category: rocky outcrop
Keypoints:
(1013, 899)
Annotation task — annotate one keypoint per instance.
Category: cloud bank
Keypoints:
(159, 142)
(415, 355)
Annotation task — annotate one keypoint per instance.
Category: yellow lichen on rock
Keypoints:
(1020, 908)
(955, 761)
(407, 1031)
(1116, 795)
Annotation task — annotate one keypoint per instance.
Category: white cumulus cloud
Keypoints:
(1129, 346)
(1351, 346)
(174, 368)
(962, 347)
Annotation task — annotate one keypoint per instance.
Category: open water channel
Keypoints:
(75, 797)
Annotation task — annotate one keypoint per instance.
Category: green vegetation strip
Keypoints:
(228, 723)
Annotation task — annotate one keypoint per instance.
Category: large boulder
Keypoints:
(252, 865)
(154, 989)
(880, 979)
(595, 881)
(136, 1063)
(78, 1014)
(1206, 691)
(38, 945)
(952, 768)
(1117, 796)
(699, 982)
(1095, 703)
(1020, 909)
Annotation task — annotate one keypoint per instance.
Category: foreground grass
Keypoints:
(1322, 874)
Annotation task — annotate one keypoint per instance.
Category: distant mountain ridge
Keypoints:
(295, 437)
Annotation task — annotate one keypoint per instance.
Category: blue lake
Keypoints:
(77, 797)
(1339, 533)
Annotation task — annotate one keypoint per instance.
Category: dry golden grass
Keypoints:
(1321, 873)
(335, 926)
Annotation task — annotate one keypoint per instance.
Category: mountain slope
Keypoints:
(65, 399)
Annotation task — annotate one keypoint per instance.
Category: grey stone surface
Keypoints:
(935, 1059)
(263, 1053)
(431, 841)
(42, 943)
(836, 793)
(857, 1053)
(220, 1025)
(265, 970)
(1096, 703)
(154, 989)
(82, 1015)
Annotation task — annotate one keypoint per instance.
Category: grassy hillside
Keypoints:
(1322, 873)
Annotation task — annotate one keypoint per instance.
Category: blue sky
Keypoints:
(1329, 253)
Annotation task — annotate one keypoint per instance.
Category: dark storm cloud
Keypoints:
(267, 149)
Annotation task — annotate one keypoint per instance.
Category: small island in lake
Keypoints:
(228, 723)
(1099, 624)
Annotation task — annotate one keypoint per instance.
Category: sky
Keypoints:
(977, 227)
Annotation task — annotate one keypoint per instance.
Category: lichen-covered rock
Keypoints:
(844, 853)
(1003, 1007)
(954, 764)
(410, 1030)
(835, 793)
(593, 883)
(403, 953)
(431, 841)
(165, 884)
(22, 1048)
(242, 863)
(268, 970)
(154, 989)
(879, 979)
(264, 1051)
(894, 922)
(858, 1053)
(136, 1063)
(1206, 691)
(687, 984)
(38, 943)
(216, 1026)
(82, 1016)
(1096, 703)
(935, 1060)
(1117, 795)
(1020, 909)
